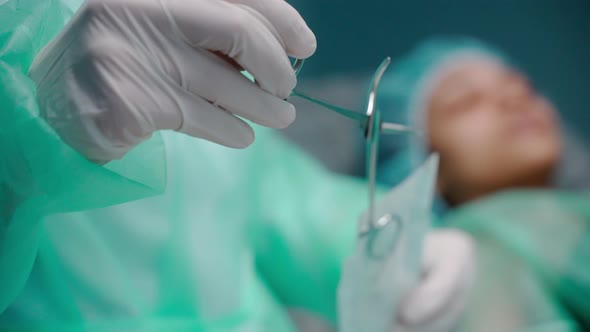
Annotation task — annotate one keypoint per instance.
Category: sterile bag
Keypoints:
(387, 259)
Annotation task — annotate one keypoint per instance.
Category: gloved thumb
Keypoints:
(440, 295)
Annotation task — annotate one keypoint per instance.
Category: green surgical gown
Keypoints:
(533, 261)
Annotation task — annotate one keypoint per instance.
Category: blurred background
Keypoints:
(548, 39)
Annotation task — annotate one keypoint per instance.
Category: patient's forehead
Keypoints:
(463, 78)
(469, 74)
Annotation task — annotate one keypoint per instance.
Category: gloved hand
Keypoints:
(122, 69)
(438, 301)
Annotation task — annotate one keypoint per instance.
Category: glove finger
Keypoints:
(221, 84)
(235, 32)
(448, 266)
(202, 119)
(299, 40)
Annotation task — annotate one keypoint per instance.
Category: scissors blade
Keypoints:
(387, 128)
(359, 117)
(372, 133)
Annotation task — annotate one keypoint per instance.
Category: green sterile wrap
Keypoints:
(237, 237)
(39, 174)
(533, 254)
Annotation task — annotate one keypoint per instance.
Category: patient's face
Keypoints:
(492, 129)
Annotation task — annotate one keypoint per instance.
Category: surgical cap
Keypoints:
(404, 93)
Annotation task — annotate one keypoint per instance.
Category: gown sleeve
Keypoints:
(39, 173)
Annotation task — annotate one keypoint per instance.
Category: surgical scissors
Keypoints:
(372, 125)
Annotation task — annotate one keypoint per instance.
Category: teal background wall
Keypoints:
(548, 39)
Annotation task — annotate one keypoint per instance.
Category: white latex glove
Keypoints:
(122, 69)
(437, 303)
